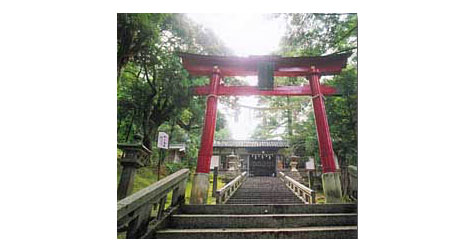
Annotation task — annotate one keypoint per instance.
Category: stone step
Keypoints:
(189, 221)
(263, 202)
(295, 199)
(264, 190)
(270, 209)
(263, 196)
(280, 189)
(266, 193)
(333, 232)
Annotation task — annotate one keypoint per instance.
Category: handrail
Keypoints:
(135, 212)
(224, 193)
(306, 194)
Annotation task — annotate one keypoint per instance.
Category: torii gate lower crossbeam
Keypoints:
(218, 67)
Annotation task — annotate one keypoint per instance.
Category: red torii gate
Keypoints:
(218, 67)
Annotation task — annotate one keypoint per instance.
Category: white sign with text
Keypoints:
(162, 140)
(310, 164)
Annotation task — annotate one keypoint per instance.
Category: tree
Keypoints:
(136, 33)
(153, 89)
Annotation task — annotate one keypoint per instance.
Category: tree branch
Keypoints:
(345, 35)
(340, 51)
(154, 90)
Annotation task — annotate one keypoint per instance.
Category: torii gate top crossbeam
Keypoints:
(202, 65)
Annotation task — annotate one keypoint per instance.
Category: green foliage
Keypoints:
(292, 118)
(153, 89)
(173, 167)
(343, 116)
(144, 177)
(135, 34)
(312, 34)
(223, 134)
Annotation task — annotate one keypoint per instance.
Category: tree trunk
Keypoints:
(129, 129)
(149, 136)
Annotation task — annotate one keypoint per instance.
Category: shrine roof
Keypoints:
(251, 144)
(179, 146)
(202, 65)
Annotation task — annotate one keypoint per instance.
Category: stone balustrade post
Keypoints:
(135, 156)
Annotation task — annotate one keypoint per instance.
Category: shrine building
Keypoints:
(257, 157)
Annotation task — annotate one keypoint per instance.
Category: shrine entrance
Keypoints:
(265, 67)
(261, 164)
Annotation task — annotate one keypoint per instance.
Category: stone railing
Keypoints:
(353, 188)
(306, 194)
(140, 213)
(223, 194)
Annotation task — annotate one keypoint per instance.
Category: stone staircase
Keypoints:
(296, 221)
(262, 208)
(264, 190)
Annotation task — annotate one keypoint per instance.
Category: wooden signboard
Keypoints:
(162, 140)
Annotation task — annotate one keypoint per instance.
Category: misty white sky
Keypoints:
(245, 34)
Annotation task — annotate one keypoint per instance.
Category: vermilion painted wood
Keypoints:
(201, 65)
(321, 122)
(238, 66)
(251, 90)
(207, 137)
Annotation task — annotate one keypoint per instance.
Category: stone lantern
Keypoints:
(294, 163)
(135, 156)
(233, 162)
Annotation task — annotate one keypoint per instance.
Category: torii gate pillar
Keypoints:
(199, 190)
(330, 177)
